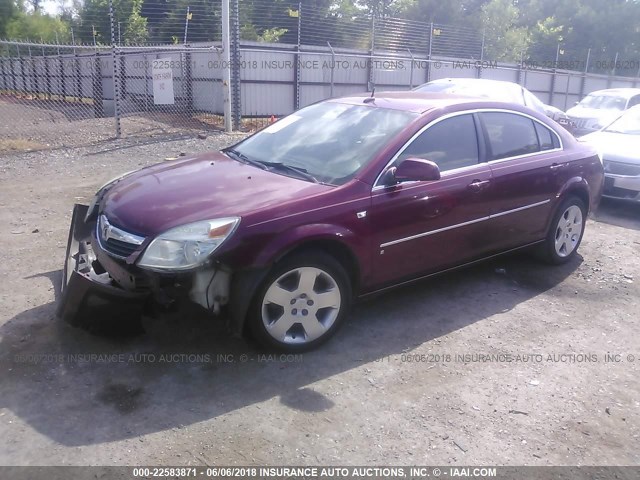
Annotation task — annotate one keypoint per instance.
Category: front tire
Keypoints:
(565, 235)
(301, 303)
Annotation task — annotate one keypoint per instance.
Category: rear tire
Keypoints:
(566, 232)
(301, 303)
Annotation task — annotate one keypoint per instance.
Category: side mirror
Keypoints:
(416, 169)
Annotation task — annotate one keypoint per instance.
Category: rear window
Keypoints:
(545, 137)
(509, 135)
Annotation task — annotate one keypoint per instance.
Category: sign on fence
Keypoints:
(162, 82)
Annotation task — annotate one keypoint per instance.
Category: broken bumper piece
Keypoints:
(90, 297)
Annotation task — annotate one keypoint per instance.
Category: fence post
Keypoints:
(116, 79)
(3, 84)
(187, 82)
(21, 63)
(33, 81)
(147, 93)
(566, 91)
(63, 83)
(584, 75)
(236, 91)
(47, 76)
(479, 69)
(552, 89)
(519, 77)
(78, 76)
(428, 69)
(333, 64)
(226, 66)
(96, 71)
(296, 66)
(370, 69)
(411, 69)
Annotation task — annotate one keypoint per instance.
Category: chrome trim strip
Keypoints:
(507, 212)
(432, 232)
(458, 225)
(524, 155)
(465, 112)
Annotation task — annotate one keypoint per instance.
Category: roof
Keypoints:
(417, 102)
(470, 80)
(618, 92)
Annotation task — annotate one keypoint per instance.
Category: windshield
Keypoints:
(604, 102)
(329, 141)
(629, 123)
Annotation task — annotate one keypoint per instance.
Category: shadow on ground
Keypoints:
(620, 213)
(50, 381)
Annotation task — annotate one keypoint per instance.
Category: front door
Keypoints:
(423, 227)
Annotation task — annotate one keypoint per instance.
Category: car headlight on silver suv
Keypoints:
(187, 246)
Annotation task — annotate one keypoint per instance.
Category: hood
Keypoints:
(209, 186)
(605, 115)
(616, 147)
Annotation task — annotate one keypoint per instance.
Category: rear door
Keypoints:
(422, 227)
(528, 167)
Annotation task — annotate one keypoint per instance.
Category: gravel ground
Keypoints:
(391, 388)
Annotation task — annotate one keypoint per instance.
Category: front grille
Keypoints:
(617, 168)
(119, 248)
(115, 241)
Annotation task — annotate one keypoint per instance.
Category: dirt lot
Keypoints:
(391, 388)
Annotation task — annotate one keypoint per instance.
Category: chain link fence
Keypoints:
(167, 78)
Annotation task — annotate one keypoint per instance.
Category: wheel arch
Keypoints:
(245, 283)
(337, 249)
(579, 187)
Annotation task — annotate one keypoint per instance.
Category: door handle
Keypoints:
(478, 185)
(556, 166)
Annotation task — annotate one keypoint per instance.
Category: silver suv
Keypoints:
(600, 108)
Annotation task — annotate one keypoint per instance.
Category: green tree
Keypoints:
(503, 38)
(7, 11)
(136, 32)
(37, 26)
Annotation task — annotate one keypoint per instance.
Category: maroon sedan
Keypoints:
(339, 200)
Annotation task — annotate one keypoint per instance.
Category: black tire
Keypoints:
(309, 260)
(547, 250)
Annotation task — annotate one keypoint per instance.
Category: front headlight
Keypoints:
(187, 246)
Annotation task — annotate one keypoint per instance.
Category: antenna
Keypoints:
(371, 86)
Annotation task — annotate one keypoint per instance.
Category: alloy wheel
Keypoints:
(301, 305)
(568, 231)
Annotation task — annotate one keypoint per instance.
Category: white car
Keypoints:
(496, 90)
(619, 146)
(602, 107)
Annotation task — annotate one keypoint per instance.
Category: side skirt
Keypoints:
(440, 272)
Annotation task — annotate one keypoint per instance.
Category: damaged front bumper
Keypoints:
(99, 291)
(88, 288)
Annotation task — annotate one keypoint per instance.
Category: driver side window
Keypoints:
(451, 144)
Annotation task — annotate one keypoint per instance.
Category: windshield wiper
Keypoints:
(244, 159)
(271, 165)
(297, 170)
